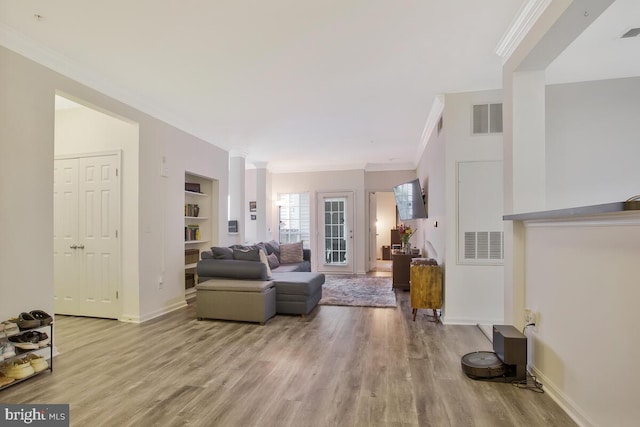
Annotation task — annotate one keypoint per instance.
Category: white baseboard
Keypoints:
(562, 400)
(152, 315)
(448, 320)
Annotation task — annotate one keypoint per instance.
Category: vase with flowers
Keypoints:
(405, 234)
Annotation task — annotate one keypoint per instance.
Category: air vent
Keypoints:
(484, 245)
(487, 119)
(634, 32)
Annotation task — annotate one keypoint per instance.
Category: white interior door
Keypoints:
(335, 230)
(87, 212)
(65, 234)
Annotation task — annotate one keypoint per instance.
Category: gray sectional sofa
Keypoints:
(210, 267)
(236, 284)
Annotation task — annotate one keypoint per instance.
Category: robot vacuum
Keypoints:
(483, 365)
(507, 361)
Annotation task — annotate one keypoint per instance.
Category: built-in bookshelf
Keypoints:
(198, 224)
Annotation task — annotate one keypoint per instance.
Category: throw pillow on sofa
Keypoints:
(263, 259)
(291, 253)
(272, 247)
(273, 261)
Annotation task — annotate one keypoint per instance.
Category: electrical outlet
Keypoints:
(529, 316)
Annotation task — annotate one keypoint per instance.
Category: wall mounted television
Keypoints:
(410, 200)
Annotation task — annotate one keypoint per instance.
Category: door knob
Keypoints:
(81, 247)
(74, 246)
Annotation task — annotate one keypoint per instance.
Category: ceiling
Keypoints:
(301, 85)
(600, 52)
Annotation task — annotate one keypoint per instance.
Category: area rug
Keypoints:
(359, 291)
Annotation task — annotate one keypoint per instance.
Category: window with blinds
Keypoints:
(294, 218)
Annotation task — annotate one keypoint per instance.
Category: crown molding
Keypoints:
(22, 45)
(524, 20)
(437, 107)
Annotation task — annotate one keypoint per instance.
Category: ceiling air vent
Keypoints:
(634, 32)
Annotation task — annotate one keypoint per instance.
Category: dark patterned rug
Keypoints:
(360, 291)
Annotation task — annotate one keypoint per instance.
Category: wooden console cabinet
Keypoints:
(426, 288)
(401, 270)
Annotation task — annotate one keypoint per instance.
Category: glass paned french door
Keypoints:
(335, 245)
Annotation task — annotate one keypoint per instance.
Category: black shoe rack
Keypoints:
(21, 353)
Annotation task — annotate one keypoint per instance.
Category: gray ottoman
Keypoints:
(230, 299)
(297, 292)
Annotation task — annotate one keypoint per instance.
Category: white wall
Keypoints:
(26, 156)
(584, 357)
(357, 180)
(592, 142)
(314, 182)
(26, 200)
(582, 279)
(472, 294)
(430, 237)
(592, 133)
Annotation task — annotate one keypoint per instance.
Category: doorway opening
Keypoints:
(383, 214)
(95, 209)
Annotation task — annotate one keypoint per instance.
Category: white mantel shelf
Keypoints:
(578, 212)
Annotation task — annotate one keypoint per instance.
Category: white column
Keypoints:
(261, 201)
(525, 175)
(236, 191)
(528, 143)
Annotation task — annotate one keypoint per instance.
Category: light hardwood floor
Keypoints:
(340, 366)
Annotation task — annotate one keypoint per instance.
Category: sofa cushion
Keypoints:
(298, 266)
(291, 253)
(222, 252)
(235, 285)
(273, 261)
(246, 254)
(297, 283)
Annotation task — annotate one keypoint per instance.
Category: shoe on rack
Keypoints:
(26, 341)
(18, 369)
(43, 339)
(44, 318)
(27, 321)
(10, 328)
(4, 380)
(38, 363)
(8, 350)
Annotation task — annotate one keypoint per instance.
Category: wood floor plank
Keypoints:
(339, 366)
